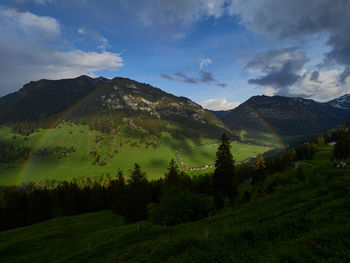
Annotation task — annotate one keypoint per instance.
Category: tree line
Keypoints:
(173, 199)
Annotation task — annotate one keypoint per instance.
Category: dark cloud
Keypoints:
(280, 66)
(279, 79)
(184, 78)
(344, 75)
(299, 20)
(315, 76)
(166, 76)
(204, 77)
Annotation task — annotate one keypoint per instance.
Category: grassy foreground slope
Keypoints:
(118, 151)
(297, 216)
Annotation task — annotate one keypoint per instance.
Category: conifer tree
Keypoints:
(119, 192)
(172, 175)
(224, 179)
(259, 169)
(138, 195)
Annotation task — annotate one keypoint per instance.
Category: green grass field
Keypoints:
(305, 219)
(206, 154)
(115, 150)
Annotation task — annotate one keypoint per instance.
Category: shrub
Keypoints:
(180, 207)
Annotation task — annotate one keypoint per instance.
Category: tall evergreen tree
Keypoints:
(138, 195)
(224, 179)
(172, 175)
(174, 178)
(259, 169)
(118, 189)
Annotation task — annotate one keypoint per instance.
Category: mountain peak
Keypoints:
(342, 102)
(285, 116)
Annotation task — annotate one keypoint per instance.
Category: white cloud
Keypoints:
(323, 88)
(269, 92)
(326, 87)
(29, 50)
(28, 23)
(76, 62)
(42, 2)
(178, 36)
(205, 62)
(177, 12)
(95, 36)
(219, 104)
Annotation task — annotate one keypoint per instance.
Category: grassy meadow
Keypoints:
(296, 216)
(117, 151)
(206, 154)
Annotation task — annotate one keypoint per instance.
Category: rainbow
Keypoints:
(26, 164)
(268, 126)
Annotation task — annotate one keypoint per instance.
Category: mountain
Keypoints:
(342, 102)
(106, 104)
(286, 117)
(220, 113)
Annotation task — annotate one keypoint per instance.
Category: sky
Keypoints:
(218, 53)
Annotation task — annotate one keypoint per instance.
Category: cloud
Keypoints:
(269, 92)
(300, 20)
(179, 36)
(315, 75)
(29, 50)
(28, 24)
(95, 36)
(166, 76)
(219, 104)
(182, 12)
(204, 62)
(204, 77)
(184, 78)
(326, 87)
(281, 68)
(42, 2)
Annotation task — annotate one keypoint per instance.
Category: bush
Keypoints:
(175, 208)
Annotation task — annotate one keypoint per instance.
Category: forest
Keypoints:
(174, 199)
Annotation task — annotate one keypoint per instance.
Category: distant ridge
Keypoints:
(286, 116)
(342, 102)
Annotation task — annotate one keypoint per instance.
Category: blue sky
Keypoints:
(216, 52)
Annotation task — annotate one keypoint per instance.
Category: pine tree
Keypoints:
(224, 179)
(119, 194)
(172, 176)
(138, 195)
(259, 169)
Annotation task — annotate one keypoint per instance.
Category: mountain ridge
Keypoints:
(342, 102)
(119, 98)
(285, 116)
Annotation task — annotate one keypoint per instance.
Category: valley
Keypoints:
(164, 131)
(98, 154)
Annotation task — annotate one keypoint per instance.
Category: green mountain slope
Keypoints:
(113, 151)
(105, 104)
(297, 216)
